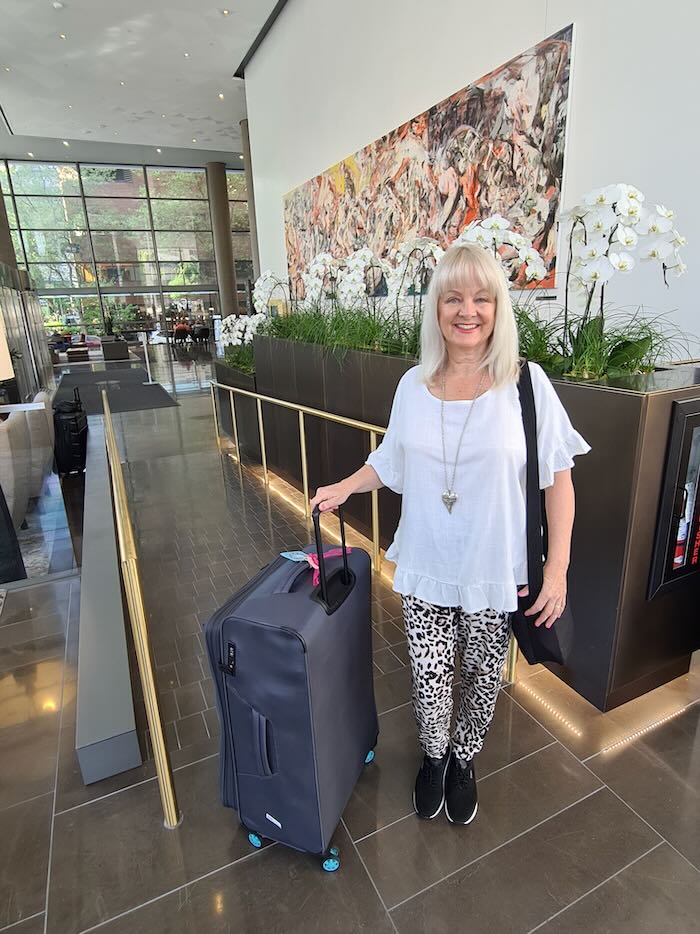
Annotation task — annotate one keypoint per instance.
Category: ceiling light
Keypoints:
(31, 155)
(226, 12)
(7, 68)
(62, 35)
(70, 107)
(66, 143)
(122, 83)
(163, 115)
(57, 5)
(187, 54)
(240, 157)
(194, 140)
(159, 150)
(221, 97)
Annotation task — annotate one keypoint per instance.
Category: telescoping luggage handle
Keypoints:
(331, 601)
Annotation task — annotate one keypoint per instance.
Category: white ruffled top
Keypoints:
(476, 556)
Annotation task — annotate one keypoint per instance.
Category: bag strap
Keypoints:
(533, 496)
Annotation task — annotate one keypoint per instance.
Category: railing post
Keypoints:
(376, 552)
(216, 414)
(261, 432)
(234, 422)
(304, 464)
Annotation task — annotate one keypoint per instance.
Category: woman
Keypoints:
(455, 449)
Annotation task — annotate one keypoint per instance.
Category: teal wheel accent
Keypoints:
(369, 757)
(332, 864)
(334, 851)
(255, 840)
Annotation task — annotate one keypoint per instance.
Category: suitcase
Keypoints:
(292, 665)
(70, 427)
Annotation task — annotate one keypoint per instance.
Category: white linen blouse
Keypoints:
(476, 556)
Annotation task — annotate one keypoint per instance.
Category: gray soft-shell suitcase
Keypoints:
(292, 664)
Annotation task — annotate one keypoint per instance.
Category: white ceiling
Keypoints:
(71, 88)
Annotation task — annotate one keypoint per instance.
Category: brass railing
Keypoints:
(128, 558)
(373, 430)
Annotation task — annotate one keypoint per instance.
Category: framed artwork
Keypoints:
(496, 146)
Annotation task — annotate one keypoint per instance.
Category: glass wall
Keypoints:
(119, 242)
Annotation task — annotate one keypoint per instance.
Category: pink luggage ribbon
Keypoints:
(313, 561)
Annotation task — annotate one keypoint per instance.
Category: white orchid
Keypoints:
(600, 196)
(516, 240)
(592, 249)
(630, 193)
(496, 222)
(601, 219)
(599, 271)
(627, 236)
(623, 262)
(677, 239)
(630, 209)
(654, 225)
(477, 234)
(658, 249)
(663, 211)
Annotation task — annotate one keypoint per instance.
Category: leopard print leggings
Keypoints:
(435, 634)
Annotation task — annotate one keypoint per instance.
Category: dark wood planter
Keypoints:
(351, 383)
(625, 645)
(246, 410)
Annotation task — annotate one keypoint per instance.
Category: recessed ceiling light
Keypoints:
(57, 5)
(194, 140)
(240, 157)
(226, 12)
(163, 115)
(221, 97)
(66, 143)
(116, 133)
(7, 68)
(31, 155)
(122, 83)
(187, 54)
(62, 35)
(159, 150)
(70, 107)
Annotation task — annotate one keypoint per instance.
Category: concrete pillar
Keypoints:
(248, 166)
(221, 230)
(7, 249)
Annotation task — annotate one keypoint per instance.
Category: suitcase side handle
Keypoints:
(347, 578)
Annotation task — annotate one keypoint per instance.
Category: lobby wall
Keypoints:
(331, 77)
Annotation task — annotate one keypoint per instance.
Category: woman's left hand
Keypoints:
(551, 600)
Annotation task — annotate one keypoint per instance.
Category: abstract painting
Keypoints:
(497, 146)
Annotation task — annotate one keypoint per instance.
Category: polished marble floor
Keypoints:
(587, 822)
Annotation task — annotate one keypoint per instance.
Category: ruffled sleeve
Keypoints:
(388, 459)
(557, 440)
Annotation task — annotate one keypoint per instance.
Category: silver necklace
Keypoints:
(449, 497)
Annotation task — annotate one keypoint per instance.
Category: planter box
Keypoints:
(351, 383)
(246, 412)
(625, 645)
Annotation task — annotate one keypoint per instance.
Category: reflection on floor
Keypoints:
(587, 822)
(45, 539)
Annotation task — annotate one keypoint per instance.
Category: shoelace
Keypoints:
(433, 773)
(464, 776)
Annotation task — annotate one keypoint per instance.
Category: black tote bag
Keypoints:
(538, 644)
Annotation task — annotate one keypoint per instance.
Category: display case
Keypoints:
(677, 544)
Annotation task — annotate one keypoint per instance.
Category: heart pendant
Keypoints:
(449, 499)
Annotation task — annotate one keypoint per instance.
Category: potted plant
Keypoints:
(237, 368)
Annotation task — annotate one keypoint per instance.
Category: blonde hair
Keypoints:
(472, 264)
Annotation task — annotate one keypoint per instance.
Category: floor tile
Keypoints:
(24, 855)
(393, 689)
(33, 925)
(32, 652)
(386, 661)
(28, 759)
(659, 776)
(524, 882)
(277, 891)
(190, 699)
(192, 729)
(659, 894)
(510, 802)
(124, 854)
(30, 630)
(36, 601)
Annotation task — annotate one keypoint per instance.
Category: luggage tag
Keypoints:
(312, 559)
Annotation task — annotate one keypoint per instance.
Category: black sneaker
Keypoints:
(429, 793)
(460, 791)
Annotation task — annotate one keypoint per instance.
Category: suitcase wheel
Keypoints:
(255, 840)
(332, 862)
(369, 757)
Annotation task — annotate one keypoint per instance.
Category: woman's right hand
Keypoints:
(330, 497)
